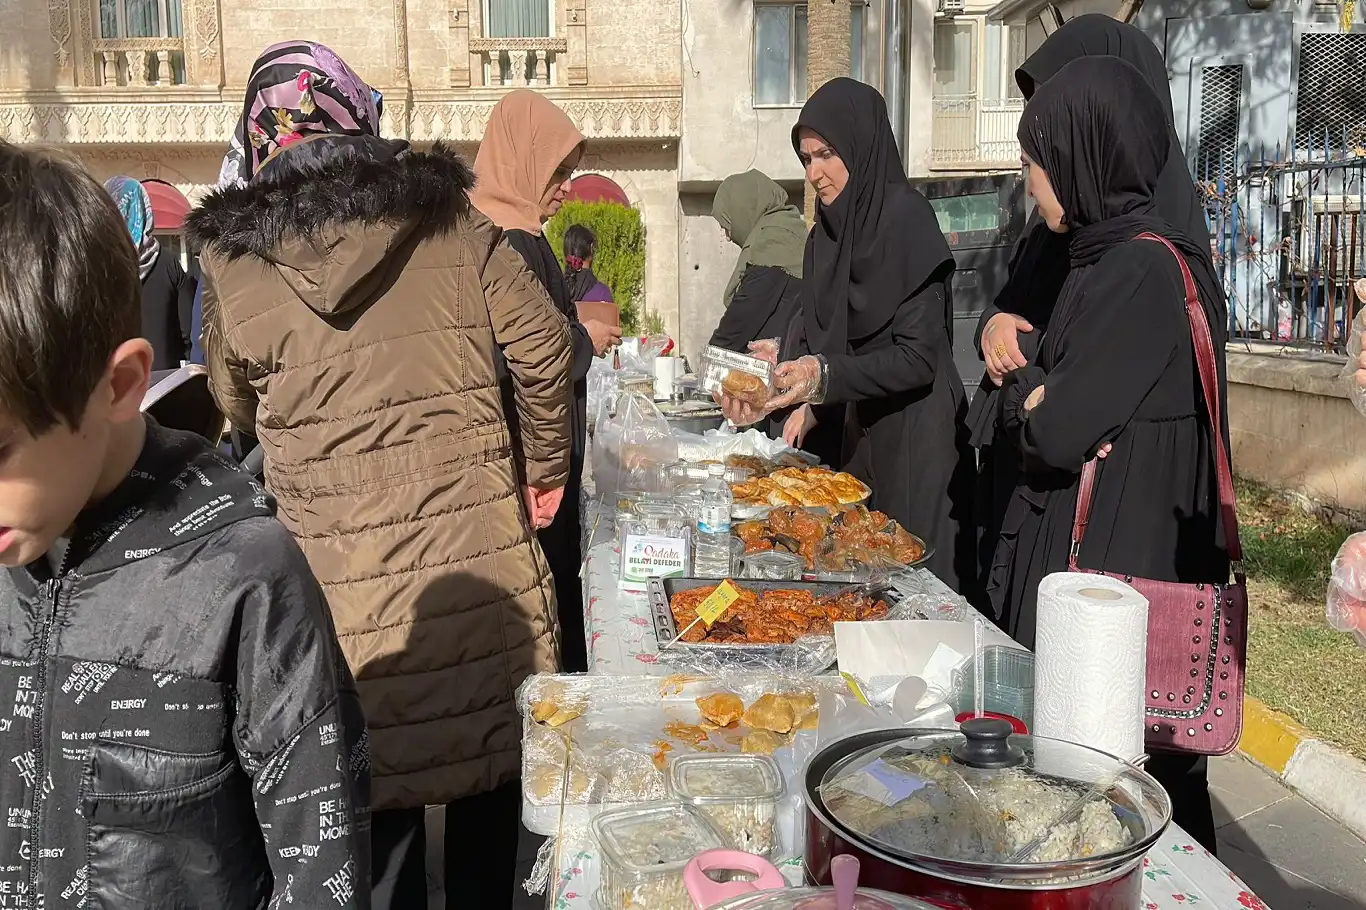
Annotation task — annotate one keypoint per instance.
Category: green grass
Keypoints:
(1284, 544)
(1297, 664)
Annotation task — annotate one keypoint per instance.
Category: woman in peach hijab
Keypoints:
(522, 175)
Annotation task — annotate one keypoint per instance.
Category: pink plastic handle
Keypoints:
(707, 893)
(844, 876)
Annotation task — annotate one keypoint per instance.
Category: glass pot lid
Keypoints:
(986, 796)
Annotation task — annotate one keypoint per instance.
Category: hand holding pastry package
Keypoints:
(737, 375)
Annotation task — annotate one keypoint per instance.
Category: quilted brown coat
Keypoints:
(351, 311)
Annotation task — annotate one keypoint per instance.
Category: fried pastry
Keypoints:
(762, 742)
(770, 712)
(721, 709)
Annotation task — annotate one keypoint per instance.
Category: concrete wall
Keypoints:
(706, 260)
(723, 132)
(1293, 428)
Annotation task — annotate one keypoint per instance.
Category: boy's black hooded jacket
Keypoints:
(177, 728)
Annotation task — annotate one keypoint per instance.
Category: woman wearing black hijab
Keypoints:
(1010, 329)
(876, 323)
(1115, 374)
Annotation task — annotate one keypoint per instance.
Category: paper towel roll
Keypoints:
(1091, 659)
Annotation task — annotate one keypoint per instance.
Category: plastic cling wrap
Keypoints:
(1347, 589)
(593, 743)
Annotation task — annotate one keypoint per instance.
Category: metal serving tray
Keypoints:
(662, 590)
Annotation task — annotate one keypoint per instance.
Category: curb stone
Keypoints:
(1327, 777)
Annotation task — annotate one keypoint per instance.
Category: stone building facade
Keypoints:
(153, 88)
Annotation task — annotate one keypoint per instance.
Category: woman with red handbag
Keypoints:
(1116, 376)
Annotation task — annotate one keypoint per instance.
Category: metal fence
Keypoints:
(1289, 239)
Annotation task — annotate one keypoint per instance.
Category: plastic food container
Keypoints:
(738, 794)
(1007, 683)
(772, 565)
(644, 853)
(655, 542)
(684, 473)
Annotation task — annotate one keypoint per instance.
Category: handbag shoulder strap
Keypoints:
(1209, 383)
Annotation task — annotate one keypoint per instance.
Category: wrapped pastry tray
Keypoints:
(662, 590)
(617, 747)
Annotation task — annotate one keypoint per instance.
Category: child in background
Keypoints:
(184, 731)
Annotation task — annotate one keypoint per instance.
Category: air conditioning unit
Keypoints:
(951, 8)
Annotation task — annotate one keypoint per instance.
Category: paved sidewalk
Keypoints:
(1291, 854)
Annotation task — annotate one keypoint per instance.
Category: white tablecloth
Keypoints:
(621, 642)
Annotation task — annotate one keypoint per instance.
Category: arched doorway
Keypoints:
(597, 188)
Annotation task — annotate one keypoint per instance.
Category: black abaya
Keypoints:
(876, 305)
(562, 542)
(1040, 263)
(1118, 366)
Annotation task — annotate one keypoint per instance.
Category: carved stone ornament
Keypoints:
(178, 123)
(597, 118)
(59, 27)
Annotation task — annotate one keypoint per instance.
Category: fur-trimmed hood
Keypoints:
(328, 221)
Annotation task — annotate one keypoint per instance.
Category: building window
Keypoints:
(147, 62)
(1331, 100)
(780, 47)
(140, 19)
(955, 63)
(779, 54)
(516, 19)
(1017, 52)
(1221, 103)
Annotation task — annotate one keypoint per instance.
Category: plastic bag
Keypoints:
(718, 445)
(602, 388)
(640, 356)
(1347, 589)
(1354, 372)
(736, 375)
(630, 445)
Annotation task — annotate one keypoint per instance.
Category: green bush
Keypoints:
(620, 260)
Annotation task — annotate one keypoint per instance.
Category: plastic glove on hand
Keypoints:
(795, 382)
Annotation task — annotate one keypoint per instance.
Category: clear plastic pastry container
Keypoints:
(644, 852)
(739, 794)
(772, 565)
(682, 473)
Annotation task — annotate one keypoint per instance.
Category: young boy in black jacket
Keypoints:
(178, 729)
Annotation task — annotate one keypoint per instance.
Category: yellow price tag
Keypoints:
(717, 602)
(855, 688)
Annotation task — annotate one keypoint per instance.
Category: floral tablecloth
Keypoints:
(1177, 872)
(621, 641)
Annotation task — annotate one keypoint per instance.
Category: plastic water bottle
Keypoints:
(712, 549)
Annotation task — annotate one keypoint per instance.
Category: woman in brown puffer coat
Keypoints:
(353, 302)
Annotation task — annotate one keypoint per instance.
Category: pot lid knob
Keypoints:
(844, 871)
(986, 744)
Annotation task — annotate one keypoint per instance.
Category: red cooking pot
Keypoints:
(984, 819)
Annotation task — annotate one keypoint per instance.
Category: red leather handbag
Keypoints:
(1197, 633)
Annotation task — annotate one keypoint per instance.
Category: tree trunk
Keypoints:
(827, 56)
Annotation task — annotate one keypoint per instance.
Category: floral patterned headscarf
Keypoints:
(298, 89)
(136, 208)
